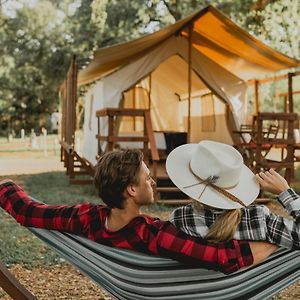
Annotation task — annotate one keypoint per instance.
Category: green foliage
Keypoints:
(39, 38)
(39, 43)
(281, 26)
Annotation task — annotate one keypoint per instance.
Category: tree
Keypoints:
(39, 43)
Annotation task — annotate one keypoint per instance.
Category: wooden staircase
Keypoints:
(77, 166)
(166, 192)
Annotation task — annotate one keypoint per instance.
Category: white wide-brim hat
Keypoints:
(191, 164)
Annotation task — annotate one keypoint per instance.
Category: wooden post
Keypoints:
(111, 131)
(259, 137)
(289, 173)
(256, 96)
(290, 91)
(134, 107)
(285, 104)
(99, 150)
(189, 82)
(150, 90)
(71, 111)
(145, 143)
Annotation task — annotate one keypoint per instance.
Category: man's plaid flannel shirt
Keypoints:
(257, 222)
(143, 233)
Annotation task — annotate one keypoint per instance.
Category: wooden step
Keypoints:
(169, 189)
(163, 177)
(174, 201)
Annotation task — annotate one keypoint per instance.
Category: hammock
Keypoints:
(127, 274)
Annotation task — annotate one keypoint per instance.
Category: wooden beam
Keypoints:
(177, 202)
(277, 116)
(256, 96)
(290, 91)
(266, 80)
(150, 135)
(150, 91)
(134, 106)
(286, 94)
(12, 286)
(120, 112)
(112, 139)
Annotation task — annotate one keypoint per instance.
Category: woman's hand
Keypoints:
(271, 181)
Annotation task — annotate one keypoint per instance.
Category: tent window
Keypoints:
(208, 118)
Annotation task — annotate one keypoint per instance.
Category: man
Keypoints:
(124, 183)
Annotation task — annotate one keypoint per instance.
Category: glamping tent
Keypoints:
(190, 75)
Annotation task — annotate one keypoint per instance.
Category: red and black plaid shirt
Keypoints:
(143, 233)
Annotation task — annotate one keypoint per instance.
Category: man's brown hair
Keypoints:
(114, 172)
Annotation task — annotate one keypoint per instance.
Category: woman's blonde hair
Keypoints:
(224, 227)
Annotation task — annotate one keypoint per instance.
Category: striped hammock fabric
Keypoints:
(126, 274)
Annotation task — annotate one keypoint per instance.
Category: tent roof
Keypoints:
(213, 34)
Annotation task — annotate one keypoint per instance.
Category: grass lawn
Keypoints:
(18, 245)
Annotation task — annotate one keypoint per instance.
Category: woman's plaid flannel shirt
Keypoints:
(143, 233)
(257, 222)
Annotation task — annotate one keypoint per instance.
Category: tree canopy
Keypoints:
(39, 37)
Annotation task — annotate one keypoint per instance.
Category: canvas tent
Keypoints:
(174, 72)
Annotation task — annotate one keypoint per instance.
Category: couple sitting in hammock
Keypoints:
(221, 230)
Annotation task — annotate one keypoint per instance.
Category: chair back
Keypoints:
(246, 127)
(272, 131)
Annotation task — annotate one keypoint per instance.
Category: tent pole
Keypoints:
(290, 92)
(134, 106)
(150, 90)
(256, 101)
(189, 82)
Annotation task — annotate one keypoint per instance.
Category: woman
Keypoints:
(223, 189)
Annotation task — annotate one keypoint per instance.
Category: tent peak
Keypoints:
(214, 35)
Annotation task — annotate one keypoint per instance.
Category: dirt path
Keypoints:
(18, 166)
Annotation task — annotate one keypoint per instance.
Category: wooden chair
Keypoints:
(261, 162)
(245, 135)
(247, 147)
(270, 136)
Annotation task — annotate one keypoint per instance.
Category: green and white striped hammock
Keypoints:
(126, 274)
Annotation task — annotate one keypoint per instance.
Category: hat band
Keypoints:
(210, 181)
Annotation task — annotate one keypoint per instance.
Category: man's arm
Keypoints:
(225, 257)
(35, 214)
(261, 250)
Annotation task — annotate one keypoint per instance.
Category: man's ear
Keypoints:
(131, 190)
